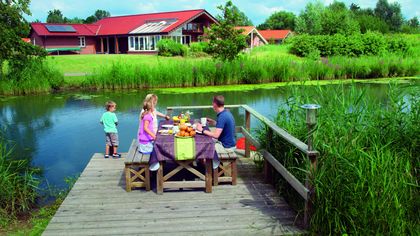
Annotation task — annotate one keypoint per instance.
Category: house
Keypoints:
(122, 34)
(254, 38)
(275, 36)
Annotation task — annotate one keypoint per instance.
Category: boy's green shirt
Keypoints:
(109, 120)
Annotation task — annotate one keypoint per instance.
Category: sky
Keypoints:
(257, 11)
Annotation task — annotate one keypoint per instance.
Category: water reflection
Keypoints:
(60, 132)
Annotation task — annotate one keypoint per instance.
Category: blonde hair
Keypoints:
(152, 98)
(147, 108)
(109, 104)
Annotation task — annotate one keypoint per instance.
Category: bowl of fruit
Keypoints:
(185, 132)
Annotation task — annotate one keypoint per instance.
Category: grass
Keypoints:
(247, 70)
(266, 64)
(18, 184)
(367, 177)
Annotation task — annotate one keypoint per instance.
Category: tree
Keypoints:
(279, 20)
(413, 22)
(242, 19)
(13, 28)
(390, 13)
(310, 19)
(99, 14)
(336, 18)
(55, 16)
(225, 42)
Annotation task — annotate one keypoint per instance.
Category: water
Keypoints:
(60, 132)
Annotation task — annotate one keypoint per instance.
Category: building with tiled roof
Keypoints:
(123, 34)
(275, 36)
(254, 38)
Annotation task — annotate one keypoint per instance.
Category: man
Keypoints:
(225, 128)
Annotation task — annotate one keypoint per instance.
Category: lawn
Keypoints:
(89, 63)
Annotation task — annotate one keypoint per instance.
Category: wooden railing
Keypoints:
(305, 190)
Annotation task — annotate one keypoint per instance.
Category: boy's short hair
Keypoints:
(109, 104)
(219, 100)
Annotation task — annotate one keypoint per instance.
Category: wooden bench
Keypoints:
(136, 164)
(228, 167)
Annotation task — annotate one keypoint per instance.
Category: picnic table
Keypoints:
(164, 152)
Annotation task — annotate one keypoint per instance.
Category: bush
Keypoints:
(169, 48)
(37, 76)
(199, 47)
(369, 44)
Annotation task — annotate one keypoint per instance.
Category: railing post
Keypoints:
(248, 128)
(268, 169)
(311, 120)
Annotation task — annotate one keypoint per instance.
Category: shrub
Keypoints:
(169, 48)
(199, 47)
(370, 44)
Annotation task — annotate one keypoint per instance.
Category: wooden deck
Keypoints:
(99, 205)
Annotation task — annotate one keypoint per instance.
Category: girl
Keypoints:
(146, 134)
(153, 99)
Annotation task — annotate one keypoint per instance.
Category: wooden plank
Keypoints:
(247, 127)
(131, 152)
(99, 205)
(208, 177)
(184, 184)
(291, 179)
(159, 179)
(282, 133)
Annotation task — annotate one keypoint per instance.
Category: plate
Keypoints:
(167, 126)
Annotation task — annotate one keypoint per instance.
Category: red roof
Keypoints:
(121, 25)
(81, 29)
(125, 24)
(26, 40)
(274, 34)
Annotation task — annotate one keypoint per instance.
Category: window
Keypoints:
(82, 42)
(143, 43)
(186, 39)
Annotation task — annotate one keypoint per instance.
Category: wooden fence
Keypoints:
(271, 164)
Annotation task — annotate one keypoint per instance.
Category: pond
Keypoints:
(60, 132)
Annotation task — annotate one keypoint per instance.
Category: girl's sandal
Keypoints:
(106, 156)
(116, 155)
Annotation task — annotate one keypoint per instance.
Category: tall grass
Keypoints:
(367, 177)
(17, 184)
(37, 77)
(247, 70)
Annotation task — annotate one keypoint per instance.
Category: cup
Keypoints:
(203, 121)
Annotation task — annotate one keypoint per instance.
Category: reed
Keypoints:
(246, 70)
(367, 177)
(18, 184)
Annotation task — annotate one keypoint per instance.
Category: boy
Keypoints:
(109, 121)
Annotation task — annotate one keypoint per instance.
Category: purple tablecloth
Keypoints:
(163, 149)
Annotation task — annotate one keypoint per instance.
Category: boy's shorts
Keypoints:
(112, 139)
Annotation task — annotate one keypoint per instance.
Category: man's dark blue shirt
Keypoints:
(226, 122)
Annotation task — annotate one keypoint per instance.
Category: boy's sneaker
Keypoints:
(106, 156)
(116, 155)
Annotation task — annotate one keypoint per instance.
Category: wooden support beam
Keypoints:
(102, 45)
(117, 48)
(248, 128)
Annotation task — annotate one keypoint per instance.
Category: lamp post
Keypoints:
(311, 119)
(311, 115)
